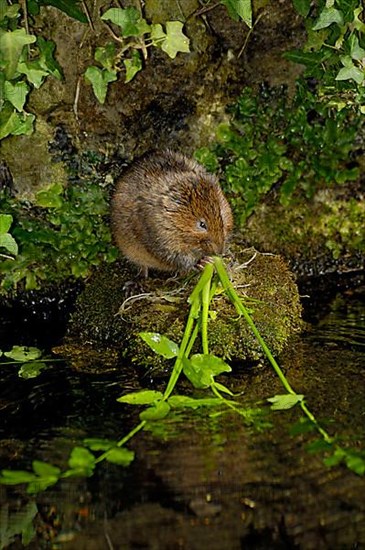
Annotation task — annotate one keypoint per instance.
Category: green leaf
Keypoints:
(43, 469)
(175, 40)
(157, 35)
(15, 477)
(16, 93)
(41, 484)
(285, 401)
(222, 388)
(132, 66)
(11, 47)
(160, 344)
(156, 412)
(336, 458)
(351, 73)
(100, 79)
(357, 23)
(69, 7)
(355, 462)
(328, 16)
(33, 71)
(357, 52)
(8, 11)
(5, 222)
(239, 9)
(302, 7)
(31, 369)
(182, 401)
(96, 444)
(143, 397)
(51, 197)
(8, 242)
(106, 56)
(127, 19)
(120, 456)
(46, 57)
(81, 462)
(23, 353)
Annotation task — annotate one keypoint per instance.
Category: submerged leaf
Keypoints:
(143, 397)
(120, 456)
(156, 412)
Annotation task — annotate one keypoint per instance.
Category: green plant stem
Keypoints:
(228, 287)
(125, 439)
(206, 298)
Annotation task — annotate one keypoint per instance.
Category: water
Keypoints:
(198, 480)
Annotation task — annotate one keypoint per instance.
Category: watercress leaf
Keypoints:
(15, 477)
(23, 353)
(16, 93)
(209, 363)
(143, 397)
(120, 456)
(318, 445)
(175, 41)
(303, 426)
(41, 484)
(160, 344)
(8, 242)
(126, 19)
(96, 444)
(11, 47)
(46, 57)
(156, 412)
(81, 461)
(43, 469)
(355, 462)
(182, 401)
(132, 66)
(31, 369)
(302, 7)
(239, 9)
(194, 376)
(222, 388)
(328, 16)
(100, 78)
(285, 401)
(336, 458)
(5, 222)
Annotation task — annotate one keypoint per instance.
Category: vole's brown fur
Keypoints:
(168, 213)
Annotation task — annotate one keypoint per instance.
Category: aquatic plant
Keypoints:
(201, 370)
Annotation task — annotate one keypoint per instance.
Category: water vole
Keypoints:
(168, 213)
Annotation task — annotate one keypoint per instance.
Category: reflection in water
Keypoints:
(202, 480)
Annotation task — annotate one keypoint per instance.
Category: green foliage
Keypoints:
(135, 37)
(7, 241)
(334, 53)
(25, 62)
(62, 234)
(27, 359)
(239, 9)
(70, 7)
(292, 146)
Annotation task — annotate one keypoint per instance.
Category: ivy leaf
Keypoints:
(11, 47)
(100, 78)
(144, 397)
(175, 40)
(156, 412)
(16, 93)
(46, 57)
(33, 71)
(357, 23)
(302, 7)
(7, 241)
(69, 7)
(132, 66)
(8, 11)
(120, 456)
(328, 16)
(285, 401)
(239, 9)
(31, 369)
(357, 52)
(5, 222)
(127, 19)
(106, 56)
(350, 71)
(160, 344)
(23, 353)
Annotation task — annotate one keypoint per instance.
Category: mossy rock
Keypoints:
(105, 318)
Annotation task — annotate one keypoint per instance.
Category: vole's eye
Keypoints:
(202, 225)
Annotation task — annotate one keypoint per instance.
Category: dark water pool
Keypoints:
(200, 480)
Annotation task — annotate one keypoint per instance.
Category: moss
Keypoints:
(265, 284)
